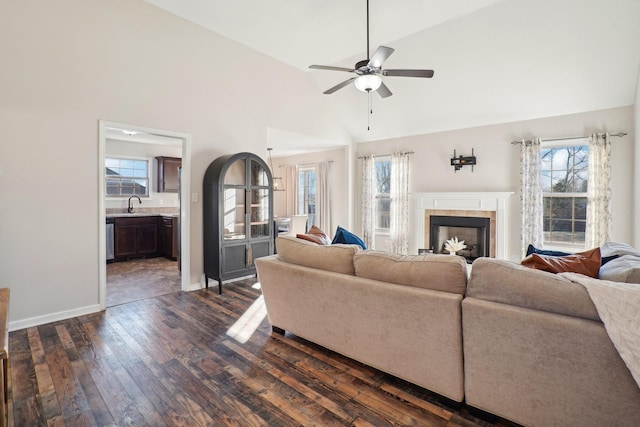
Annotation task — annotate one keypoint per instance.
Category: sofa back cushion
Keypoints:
(336, 258)
(437, 272)
(513, 284)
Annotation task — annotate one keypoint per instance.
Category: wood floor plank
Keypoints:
(170, 361)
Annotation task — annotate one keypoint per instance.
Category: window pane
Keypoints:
(139, 173)
(126, 181)
(383, 219)
(580, 208)
(383, 176)
(111, 163)
(545, 181)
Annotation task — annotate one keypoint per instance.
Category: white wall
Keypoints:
(149, 152)
(70, 63)
(340, 170)
(498, 161)
(636, 170)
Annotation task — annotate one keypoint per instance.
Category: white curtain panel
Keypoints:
(368, 201)
(291, 188)
(530, 195)
(399, 210)
(323, 202)
(598, 191)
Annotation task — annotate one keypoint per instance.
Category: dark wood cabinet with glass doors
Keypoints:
(238, 216)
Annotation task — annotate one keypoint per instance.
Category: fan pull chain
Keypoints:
(369, 110)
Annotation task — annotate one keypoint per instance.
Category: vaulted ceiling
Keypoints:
(495, 61)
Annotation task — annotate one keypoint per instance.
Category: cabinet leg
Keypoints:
(219, 286)
(206, 282)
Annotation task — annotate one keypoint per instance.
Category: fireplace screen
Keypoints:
(474, 231)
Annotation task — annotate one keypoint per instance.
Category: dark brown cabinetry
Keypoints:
(168, 174)
(135, 237)
(169, 236)
(238, 216)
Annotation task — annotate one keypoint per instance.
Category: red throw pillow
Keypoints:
(587, 263)
(315, 235)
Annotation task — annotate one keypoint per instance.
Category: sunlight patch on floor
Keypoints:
(256, 285)
(247, 324)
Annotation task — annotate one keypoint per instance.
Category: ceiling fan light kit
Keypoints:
(369, 71)
(368, 82)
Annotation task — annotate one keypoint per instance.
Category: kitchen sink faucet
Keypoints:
(130, 208)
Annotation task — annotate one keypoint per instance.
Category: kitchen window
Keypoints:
(126, 177)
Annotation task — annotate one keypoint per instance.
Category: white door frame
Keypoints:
(185, 191)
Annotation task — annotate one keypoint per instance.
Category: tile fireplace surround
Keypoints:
(490, 204)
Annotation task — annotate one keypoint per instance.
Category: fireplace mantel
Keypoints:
(473, 201)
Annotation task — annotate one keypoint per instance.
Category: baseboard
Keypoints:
(53, 317)
(195, 287)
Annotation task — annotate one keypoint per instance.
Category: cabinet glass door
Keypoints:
(234, 213)
(260, 226)
(235, 174)
(258, 175)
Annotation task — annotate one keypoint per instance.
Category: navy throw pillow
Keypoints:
(345, 236)
(533, 250)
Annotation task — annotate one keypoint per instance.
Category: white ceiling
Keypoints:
(495, 61)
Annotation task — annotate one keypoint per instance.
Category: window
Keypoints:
(307, 193)
(565, 172)
(383, 190)
(127, 177)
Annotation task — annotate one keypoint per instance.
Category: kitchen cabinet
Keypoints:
(238, 216)
(135, 237)
(168, 174)
(169, 236)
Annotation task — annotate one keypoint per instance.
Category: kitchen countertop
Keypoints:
(140, 214)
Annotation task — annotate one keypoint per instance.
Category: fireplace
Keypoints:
(492, 205)
(474, 231)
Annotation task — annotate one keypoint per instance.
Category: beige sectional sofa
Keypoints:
(523, 344)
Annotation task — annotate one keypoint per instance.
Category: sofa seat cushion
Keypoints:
(437, 272)
(510, 283)
(336, 258)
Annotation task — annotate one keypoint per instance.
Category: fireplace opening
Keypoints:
(475, 231)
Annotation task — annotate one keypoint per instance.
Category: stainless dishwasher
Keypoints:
(109, 239)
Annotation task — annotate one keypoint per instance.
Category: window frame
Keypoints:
(571, 245)
(382, 196)
(147, 178)
(304, 200)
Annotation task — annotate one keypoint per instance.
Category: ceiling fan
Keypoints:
(369, 71)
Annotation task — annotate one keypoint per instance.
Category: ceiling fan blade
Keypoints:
(328, 67)
(384, 91)
(338, 86)
(408, 73)
(381, 55)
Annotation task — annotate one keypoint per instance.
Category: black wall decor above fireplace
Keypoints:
(475, 231)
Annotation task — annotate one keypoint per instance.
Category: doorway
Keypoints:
(142, 276)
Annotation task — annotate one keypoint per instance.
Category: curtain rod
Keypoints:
(385, 155)
(306, 164)
(620, 134)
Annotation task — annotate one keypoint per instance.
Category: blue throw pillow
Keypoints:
(344, 236)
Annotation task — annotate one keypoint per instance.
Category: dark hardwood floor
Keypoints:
(193, 359)
(141, 278)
